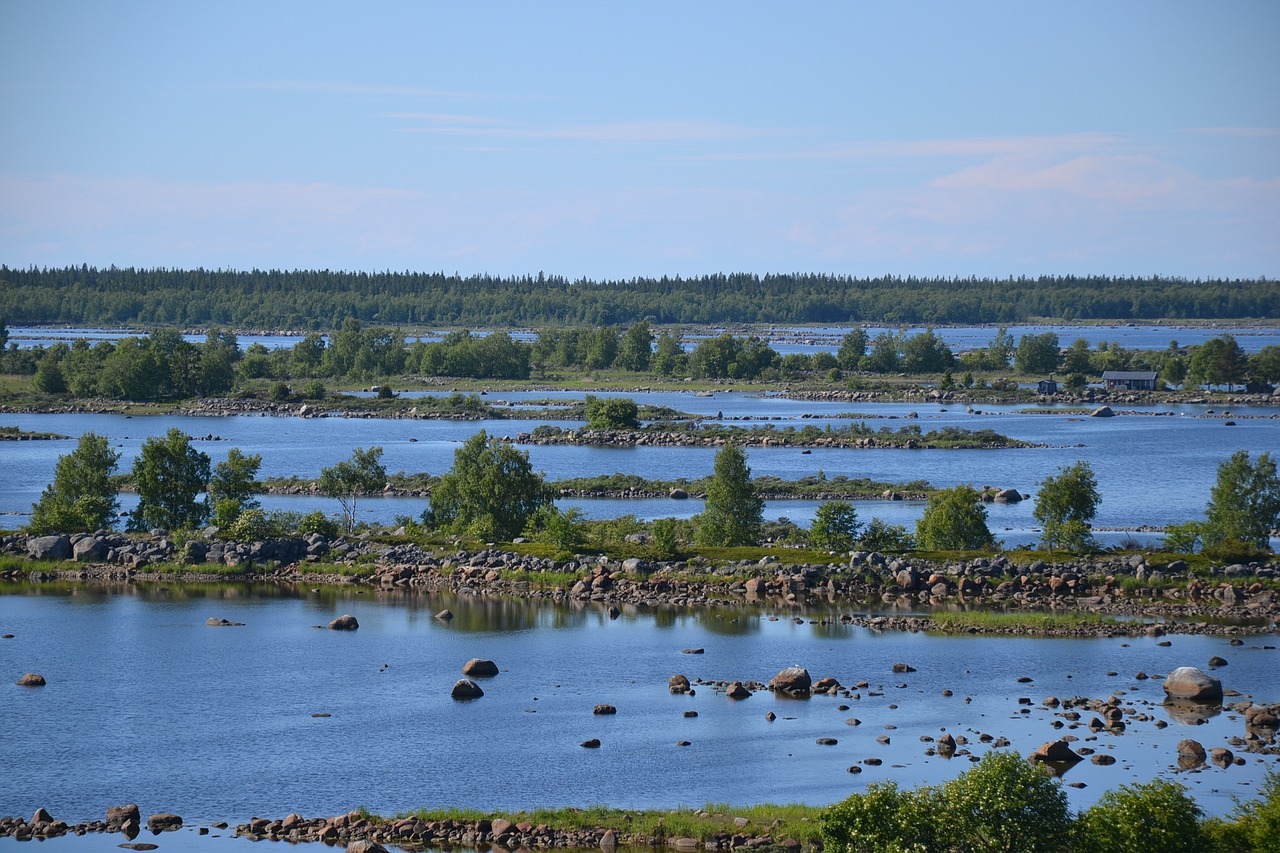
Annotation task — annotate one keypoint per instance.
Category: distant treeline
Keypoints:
(165, 366)
(323, 299)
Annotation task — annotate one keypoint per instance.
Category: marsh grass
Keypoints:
(779, 821)
(995, 621)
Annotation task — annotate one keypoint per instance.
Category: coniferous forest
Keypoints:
(323, 299)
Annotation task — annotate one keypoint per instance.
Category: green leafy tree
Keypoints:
(1264, 365)
(361, 474)
(1064, 507)
(1220, 361)
(170, 475)
(835, 526)
(1158, 815)
(1036, 354)
(713, 358)
(853, 346)
(733, 514)
(218, 357)
(926, 353)
(1244, 504)
(49, 378)
(885, 355)
(669, 358)
(997, 354)
(233, 485)
(490, 493)
(612, 412)
(82, 497)
(954, 520)
(635, 350)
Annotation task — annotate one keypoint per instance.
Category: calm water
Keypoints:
(145, 703)
(1152, 469)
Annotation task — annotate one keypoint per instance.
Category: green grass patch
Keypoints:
(999, 621)
(779, 821)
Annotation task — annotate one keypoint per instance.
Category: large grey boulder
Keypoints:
(346, 622)
(89, 549)
(50, 547)
(1188, 682)
(793, 681)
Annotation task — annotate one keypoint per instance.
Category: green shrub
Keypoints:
(251, 524)
(666, 538)
(1005, 803)
(1256, 825)
(611, 413)
(316, 522)
(881, 536)
(835, 526)
(1136, 818)
(885, 819)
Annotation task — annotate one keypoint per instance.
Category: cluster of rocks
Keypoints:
(138, 552)
(1102, 585)
(123, 819)
(361, 832)
(585, 437)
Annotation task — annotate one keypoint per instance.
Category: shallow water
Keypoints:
(147, 704)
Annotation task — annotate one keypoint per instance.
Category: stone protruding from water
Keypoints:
(124, 817)
(1188, 682)
(164, 822)
(1191, 754)
(1056, 752)
(678, 683)
(793, 681)
(31, 679)
(479, 668)
(465, 688)
(346, 622)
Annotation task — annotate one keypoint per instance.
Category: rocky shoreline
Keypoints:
(852, 589)
(362, 833)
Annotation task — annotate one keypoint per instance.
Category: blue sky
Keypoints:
(609, 140)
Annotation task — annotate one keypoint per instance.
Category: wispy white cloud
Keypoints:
(330, 88)
(993, 146)
(1244, 132)
(644, 131)
(1117, 178)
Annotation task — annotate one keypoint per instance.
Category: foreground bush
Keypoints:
(1004, 803)
(1008, 804)
(1141, 818)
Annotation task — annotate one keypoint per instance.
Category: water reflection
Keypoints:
(1191, 713)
